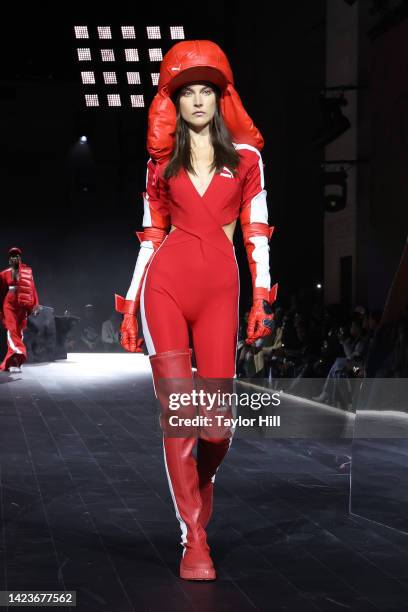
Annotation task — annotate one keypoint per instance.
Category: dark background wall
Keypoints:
(80, 242)
(383, 216)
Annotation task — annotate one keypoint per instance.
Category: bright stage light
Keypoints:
(123, 71)
(137, 101)
(81, 32)
(155, 55)
(128, 32)
(114, 100)
(107, 55)
(83, 139)
(177, 32)
(91, 100)
(132, 55)
(110, 78)
(84, 55)
(104, 32)
(88, 78)
(153, 32)
(133, 78)
(318, 286)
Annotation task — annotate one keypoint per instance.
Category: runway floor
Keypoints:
(85, 506)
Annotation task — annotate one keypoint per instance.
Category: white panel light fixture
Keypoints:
(133, 78)
(107, 55)
(153, 32)
(177, 32)
(110, 78)
(91, 99)
(104, 32)
(132, 55)
(88, 78)
(114, 100)
(155, 55)
(128, 32)
(84, 55)
(137, 101)
(81, 32)
(155, 77)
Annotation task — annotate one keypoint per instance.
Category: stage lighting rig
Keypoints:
(119, 63)
(334, 123)
(334, 190)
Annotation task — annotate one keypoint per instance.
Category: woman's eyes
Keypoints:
(205, 91)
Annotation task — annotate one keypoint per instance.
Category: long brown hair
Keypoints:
(224, 151)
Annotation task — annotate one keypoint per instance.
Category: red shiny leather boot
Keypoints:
(210, 454)
(172, 373)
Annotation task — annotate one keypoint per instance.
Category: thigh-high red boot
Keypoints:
(213, 443)
(172, 374)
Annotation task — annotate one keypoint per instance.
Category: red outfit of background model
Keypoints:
(18, 298)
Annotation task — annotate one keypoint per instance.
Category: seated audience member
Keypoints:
(354, 346)
(110, 333)
(89, 338)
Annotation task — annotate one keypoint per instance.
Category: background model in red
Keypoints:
(18, 299)
(205, 172)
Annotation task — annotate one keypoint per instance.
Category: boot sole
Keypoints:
(198, 574)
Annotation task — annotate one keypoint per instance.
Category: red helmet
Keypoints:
(15, 251)
(188, 61)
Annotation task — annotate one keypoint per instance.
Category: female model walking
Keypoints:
(205, 171)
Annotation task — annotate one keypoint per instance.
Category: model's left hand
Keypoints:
(260, 321)
(36, 310)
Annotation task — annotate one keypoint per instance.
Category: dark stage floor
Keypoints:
(85, 506)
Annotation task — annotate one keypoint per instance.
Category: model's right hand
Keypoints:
(128, 334)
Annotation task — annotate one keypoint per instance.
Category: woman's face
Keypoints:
(198, 103)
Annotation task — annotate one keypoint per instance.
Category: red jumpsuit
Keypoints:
(191, 282)
(192, 279)
(17, 300)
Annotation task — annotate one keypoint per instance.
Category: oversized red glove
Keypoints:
(129, 334)
(260, 320)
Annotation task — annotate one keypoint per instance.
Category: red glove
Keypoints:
(260, 320)
(128, 334)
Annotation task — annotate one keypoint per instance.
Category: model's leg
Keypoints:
(14, 319)
(166, 333)
(215, 338)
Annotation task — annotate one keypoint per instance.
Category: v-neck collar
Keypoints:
(195, 188)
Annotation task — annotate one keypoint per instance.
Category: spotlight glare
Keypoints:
(91, 100)
(107, 55)
(88, 78)
(318, 286)
(132, 55)
(104, 32)
(114, 100)
(153, 32)
(110, 78)
(155, 55)
(84, 55)
(128, 32)
(81, 32)
(83, 139)
(177, 32)
(137, 101)
(155, 77)
(133, 78)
